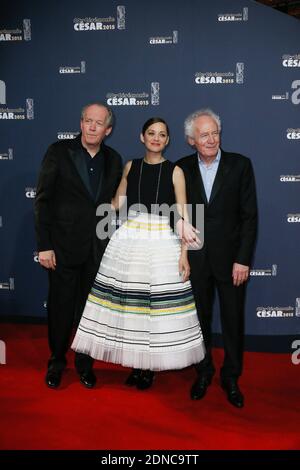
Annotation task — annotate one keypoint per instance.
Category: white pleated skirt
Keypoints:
(139, 312)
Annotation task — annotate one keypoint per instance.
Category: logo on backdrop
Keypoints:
(290, 178)
(121, 17)
(73, 69)
(172, 39)
(293, 134)
(29, 108)
(2, 92)
(15, 113)
(275, 312)
(243, 16)
(9, 155)
(294, 96)
(17, 34)
(291, 60)
(135, 99)
(264, 272)
(36, 256)
(10, 285)
(102, 24)
(297, 307)
(284, 96)
(221, 78)
(63, 135)
(293, 218)
(30, 193)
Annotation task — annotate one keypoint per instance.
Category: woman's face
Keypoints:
(155, 138)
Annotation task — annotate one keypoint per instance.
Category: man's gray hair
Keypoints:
(189, 122)
(110, 117)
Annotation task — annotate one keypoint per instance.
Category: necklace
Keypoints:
(160, 161)
(158, 183)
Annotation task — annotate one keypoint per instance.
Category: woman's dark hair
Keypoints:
(154, 120)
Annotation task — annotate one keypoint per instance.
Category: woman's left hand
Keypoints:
(188, 234)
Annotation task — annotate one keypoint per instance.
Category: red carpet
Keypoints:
(113, 416)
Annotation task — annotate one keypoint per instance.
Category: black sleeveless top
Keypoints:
(149, 184)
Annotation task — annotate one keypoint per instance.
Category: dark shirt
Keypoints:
(95, 167)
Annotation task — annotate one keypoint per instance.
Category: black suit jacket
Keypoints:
(230, 216)
(65, 209)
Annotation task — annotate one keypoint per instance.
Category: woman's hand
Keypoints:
(184, 267)
(188, 234)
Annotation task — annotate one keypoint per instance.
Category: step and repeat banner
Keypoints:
(159, 58)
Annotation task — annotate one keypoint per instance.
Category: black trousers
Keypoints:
(232, 300)
(69, 287)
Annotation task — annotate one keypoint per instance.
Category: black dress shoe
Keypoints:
(53, 378)
(133, 377)
(234, 395)
(199, 387)
(145, 380)
(88, 379)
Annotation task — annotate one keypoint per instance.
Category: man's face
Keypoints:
(94, 125)
(206, 137)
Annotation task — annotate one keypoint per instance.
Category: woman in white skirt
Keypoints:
(141, 311)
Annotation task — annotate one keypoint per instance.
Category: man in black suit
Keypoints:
(224, 183)
(76, 176)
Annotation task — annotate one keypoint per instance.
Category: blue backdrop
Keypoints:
(153, 58)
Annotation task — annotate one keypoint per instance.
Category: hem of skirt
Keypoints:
(139, 364)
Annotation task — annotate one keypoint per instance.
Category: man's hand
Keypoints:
(188, 234)
(47, 259)
(240, 274)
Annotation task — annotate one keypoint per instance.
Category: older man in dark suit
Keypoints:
(76, 176)
(224, 183)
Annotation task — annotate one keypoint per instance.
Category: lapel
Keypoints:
(222, 171)
(197, 182)
(103, 174)
(103, 187)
